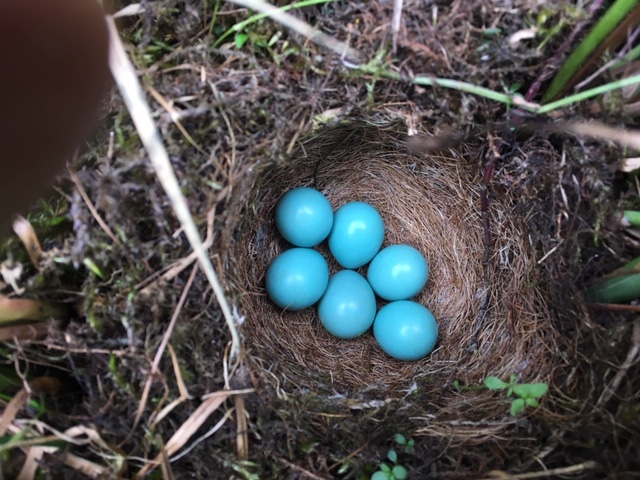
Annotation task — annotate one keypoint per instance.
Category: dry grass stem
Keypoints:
(27, 235)
(30, 466)
(242, 436)
(24, 333)
(146, 287)
(98, 218)
(301, 27)
(131, 91)
(182, 388)
(161, 348)
(175, 117)
(554, 472)
(305, 473)
(11, 410)
(599, 131)
(188, 428)
(610, 390)
(396, 22)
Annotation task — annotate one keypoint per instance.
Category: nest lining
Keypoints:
(492, 319)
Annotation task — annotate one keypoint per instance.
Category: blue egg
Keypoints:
(357, 234)
(348, 307)
(405, 330)
(398, 272)
(304, 217)
(297, 278)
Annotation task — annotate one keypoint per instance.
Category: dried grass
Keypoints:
(492, 318)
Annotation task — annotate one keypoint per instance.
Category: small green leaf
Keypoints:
(91, 265)
(531, 390)
(515, 87)
(380, 476)
(509, 391)
(532, 402)
(488, 32)
(517, 406)
(494, 383)
(392, 455)
(399, 472)
(240, 39)
(385, 468)
(456, 384)
(400, 439)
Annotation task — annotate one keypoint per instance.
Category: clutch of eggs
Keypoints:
(299, 277)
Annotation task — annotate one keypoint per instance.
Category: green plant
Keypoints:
(621, 285)
(527, 394)
(605, 26)
(240, 29)
(409, 445)
(395, 471)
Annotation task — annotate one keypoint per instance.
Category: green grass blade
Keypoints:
(619, 289)
(578, 97)
(494, 383)
(634, 54)
(507, 99)
(517, 406)
(607, 23)
(632, 217)
(259, 16)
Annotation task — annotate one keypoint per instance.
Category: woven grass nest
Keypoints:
(492, 318)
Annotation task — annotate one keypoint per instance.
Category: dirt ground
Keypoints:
(249, 105)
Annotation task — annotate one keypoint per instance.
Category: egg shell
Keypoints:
(297, 278)
(398, 272)
(304, 217)
(357, 234)
(405, 330)
(348, 306)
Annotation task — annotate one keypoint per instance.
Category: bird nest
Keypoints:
(492, 317)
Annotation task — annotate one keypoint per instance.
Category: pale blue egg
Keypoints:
(304, 217)
(357, 234)
(348, 307)
(398, 272)
(405, 330)
(297, 278)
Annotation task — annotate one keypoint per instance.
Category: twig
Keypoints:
(611, 389)
(175, 117)
(614, 307)
(161, 348)
(301, 470)
(93, 210)
(572, 470)
(133, 96)
(175, 268)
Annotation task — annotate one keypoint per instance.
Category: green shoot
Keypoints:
(395, 471)
(620, 286)
(408, 445)
(527, 394)
(632, 218)
(376, 69)
(600, 31)
(239, 27)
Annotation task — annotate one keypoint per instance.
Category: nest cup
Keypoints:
(492, 319)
